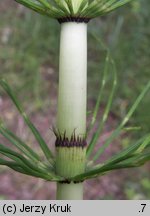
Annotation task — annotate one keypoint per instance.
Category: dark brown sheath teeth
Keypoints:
(67, 181)
(73, 142)
(73, 19)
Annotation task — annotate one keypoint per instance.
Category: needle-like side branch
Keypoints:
(77, 11)
(118, 130)
(46, 150)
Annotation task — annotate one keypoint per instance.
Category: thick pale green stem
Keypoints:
(72, 79)
(70, 191)
(71, 118)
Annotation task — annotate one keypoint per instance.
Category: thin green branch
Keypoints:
(37, 169)
(83, 5)
(66, 8)
(33, 5)
(70, 6)
(17, 142)
(99, 98)
(102, 7)
(13, 165)
(25, 170)
(106, 112)
(123, 123)
(17, 157)
(62, 7)
(45, 4)
(133, 156)
(43, 8)
(47, 152)
(130, 151)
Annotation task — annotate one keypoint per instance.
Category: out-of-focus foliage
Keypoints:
(138, 190)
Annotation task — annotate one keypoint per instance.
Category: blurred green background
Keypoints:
(29, 47)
